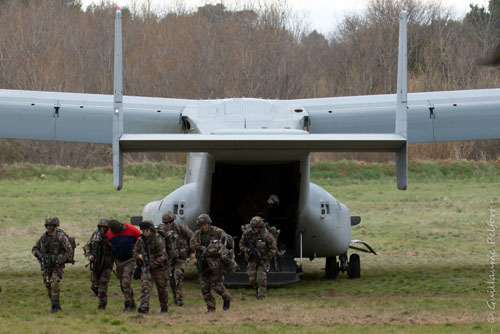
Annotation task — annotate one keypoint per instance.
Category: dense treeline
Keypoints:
(254, 52)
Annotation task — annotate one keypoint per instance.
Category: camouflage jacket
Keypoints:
(99, 247)
(264, 242)
(201, 240)
(177, 240)
(154, 247)
(57, 247)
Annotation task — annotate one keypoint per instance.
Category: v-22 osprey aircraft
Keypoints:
(251, 156)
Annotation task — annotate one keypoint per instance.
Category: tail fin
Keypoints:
(402, 105)
(118, 104)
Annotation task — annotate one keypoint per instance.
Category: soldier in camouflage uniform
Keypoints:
(206, 242)
(259, 247)
(99, 254)
(150, 251)
(53, 249)
(177, 243)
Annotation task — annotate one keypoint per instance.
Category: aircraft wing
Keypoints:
(82, 117)
(432, 116)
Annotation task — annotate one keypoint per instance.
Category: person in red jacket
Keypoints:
(122, 238)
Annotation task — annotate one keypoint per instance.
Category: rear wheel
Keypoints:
(331, 268)
(354, 270)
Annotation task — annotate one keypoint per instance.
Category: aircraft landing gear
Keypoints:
(352, 267)
(331, 268)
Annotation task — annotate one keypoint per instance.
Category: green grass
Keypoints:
(429, 275)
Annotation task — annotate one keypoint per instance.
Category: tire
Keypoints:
(354, 270)
(331, 268)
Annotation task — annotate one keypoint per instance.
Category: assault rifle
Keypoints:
(44, 261)
(254, 253)
(201, 263)
(146, 261)
(96, 265)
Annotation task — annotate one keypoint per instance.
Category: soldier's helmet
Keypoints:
(168, 217)
(257, 222)
(146, 224)
(102, 222)
(273, 200)
(52, 220)
(203, 219)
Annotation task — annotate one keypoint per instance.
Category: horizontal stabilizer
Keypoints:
(305, 142)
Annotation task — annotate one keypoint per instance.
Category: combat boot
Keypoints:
(133, 306)
(143, 310)
(164, 309)
(227, 303)
(101, 306)
(179, 302)
(210, 309)
(55, 309)
(127, 307)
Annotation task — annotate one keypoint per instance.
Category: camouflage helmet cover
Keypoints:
(203, 219)
(102, 222)
(52, 220)
(257, 222)
(146, 224)
(168, 217)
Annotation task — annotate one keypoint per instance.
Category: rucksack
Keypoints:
(73, 244)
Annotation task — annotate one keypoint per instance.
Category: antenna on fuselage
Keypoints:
(402, 104)
(118, 104)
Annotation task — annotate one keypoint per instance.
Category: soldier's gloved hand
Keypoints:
(60, 260)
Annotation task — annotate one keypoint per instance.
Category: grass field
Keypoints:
(431, 274)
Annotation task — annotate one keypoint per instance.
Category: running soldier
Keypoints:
(259, 247)
(53, 250)
(122, 237)
(207, 242)
(98, 251)
(177, 243)
(150, 252)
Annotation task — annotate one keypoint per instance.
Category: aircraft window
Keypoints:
(176, 208)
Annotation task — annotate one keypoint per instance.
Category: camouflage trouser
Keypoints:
(102, 285)
(257, 275)
(55, 275)
(160, 278)
(176, 275)
(213, 280)
(125, 272)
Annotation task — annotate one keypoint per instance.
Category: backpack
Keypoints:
(73, 244)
